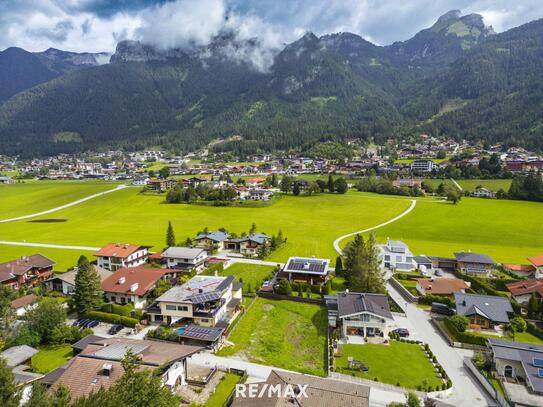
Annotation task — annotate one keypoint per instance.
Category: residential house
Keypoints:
(259, 194)
(141, 180)
(409, 183)
(208, 301)
(27, 271)
(442, 286)
(520, 367)
(116, 255)
(6, 180)
(19, 360)
(307, 270)
(423, 263)
(211, 240)
(443, 263)
(132, 285)
(395, 255)
(248, 245)
(65, 282)
(185, 258)
(423, 166)
(24, 304)
(359, 314)
(483, 311)
(521, 291)
(479, 265)
(161, 184)
(483, 193)
(18, 355)
(537, 262)
(521, 270)
(99, 365)
(319, 391)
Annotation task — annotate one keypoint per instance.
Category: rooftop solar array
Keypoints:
(202, 333)
(117, 351)
(538, 362)
(305, 265)
(205, 297)
(540, 373)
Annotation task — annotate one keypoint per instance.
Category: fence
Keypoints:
(498, 398)
(404, 292)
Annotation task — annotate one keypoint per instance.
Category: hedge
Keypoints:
(112, 318)
(478, 285)
(464, 337)
(122, 310)
(534, 330)
(428, 299)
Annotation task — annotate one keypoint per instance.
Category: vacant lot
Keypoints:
(284, 334)
(253, 274)
(397, 363)
(36, 196)
(310, 223)
(50, 357)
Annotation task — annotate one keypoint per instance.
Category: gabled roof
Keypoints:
(491, 307)
(123, 280)
(536, 260)
(182, 252)
(355, 303)
(23, 301)
(259, 238)
(468, 257)
(217, 236)
(442, 285)
(119, 250)
(11, 269)
(17, 355)
(69, 276)
(307, 265)
(526, 287)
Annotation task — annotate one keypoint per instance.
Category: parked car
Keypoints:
(402, 332)
(115, 329)
(438, 273)
(443, 309)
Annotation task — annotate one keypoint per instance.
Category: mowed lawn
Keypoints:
(397, 363)
(283, 334)
(223, 390)
(509, 231)
(471, 184)
(253, 274)
(36, 196)
(310, 224)
(64, 258)
(50, 357)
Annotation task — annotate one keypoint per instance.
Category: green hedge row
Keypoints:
(535, 331)
(477, 284)
(428, 299)
(112, 318)
(464, 337)
(122, 310)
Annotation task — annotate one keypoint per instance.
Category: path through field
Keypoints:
(457, 184)
(401, 215)
(58, 208)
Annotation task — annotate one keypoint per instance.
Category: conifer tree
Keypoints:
(87, 294)
(330, 184)
(170, 236)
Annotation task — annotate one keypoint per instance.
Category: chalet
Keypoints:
(479, 265)
(307, 270)
(259, 194)
(521, 270)
(410, 183)
(18, 355)
(359, 314)
(24, 304)
(521, 291)
(423, 166)
(161, 184)
(483, 311)
(442, 286)
(27, 271)
(132, 285)
(65, 282)
(116, 255)
(483, 193)
(520, 367)
(208, 301)
(248, 245)
(537, 262)
(212, 240)
(395, 255)
(185, 258)
(99, 365)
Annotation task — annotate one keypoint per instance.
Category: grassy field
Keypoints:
(502, 229)
(253, 274)
(395, 363)
(64, 258)
(284, 334)
(50, 357)
(30, 197)
(471, 184)
(525, 337)
(223, 390)
(310, 223)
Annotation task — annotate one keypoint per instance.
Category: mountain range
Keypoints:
(458, 78)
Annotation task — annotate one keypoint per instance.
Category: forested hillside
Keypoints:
(456, 78)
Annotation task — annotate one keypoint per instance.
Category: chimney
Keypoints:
(200, 290)
(106, 369)
(121, 280)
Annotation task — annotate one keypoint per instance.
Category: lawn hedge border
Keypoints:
(112, 318)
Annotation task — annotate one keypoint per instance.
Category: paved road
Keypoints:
(466, 392)
(51, 246)
(255, 261)
(401, 215)
(58, 208)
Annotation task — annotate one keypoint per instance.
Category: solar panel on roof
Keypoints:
(540, 373)
(538, 362)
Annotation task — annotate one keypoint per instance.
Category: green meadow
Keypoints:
(64, 258)
(471, 184)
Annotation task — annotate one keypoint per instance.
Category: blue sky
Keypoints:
(97, 25)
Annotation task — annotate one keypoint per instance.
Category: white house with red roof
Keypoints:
(537, 262)
(118, 255)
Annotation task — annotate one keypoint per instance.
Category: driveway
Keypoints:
(466, 391)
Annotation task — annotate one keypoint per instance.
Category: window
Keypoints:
(387, 257)
(182, 308)
(508, 371)
(170, 307)
(204, 320)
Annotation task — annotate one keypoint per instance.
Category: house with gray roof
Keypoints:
(483, 311)
(18, 355)
(395, 255)
(211, 240)
(185, 258)
(479, 265)
(247, 245)
(520, 367)
(65, 282)
(308, 270)
(361, 314)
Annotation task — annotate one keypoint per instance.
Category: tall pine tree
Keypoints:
(330, 184)
(87, 294)
(170, 236)
(363, 266)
